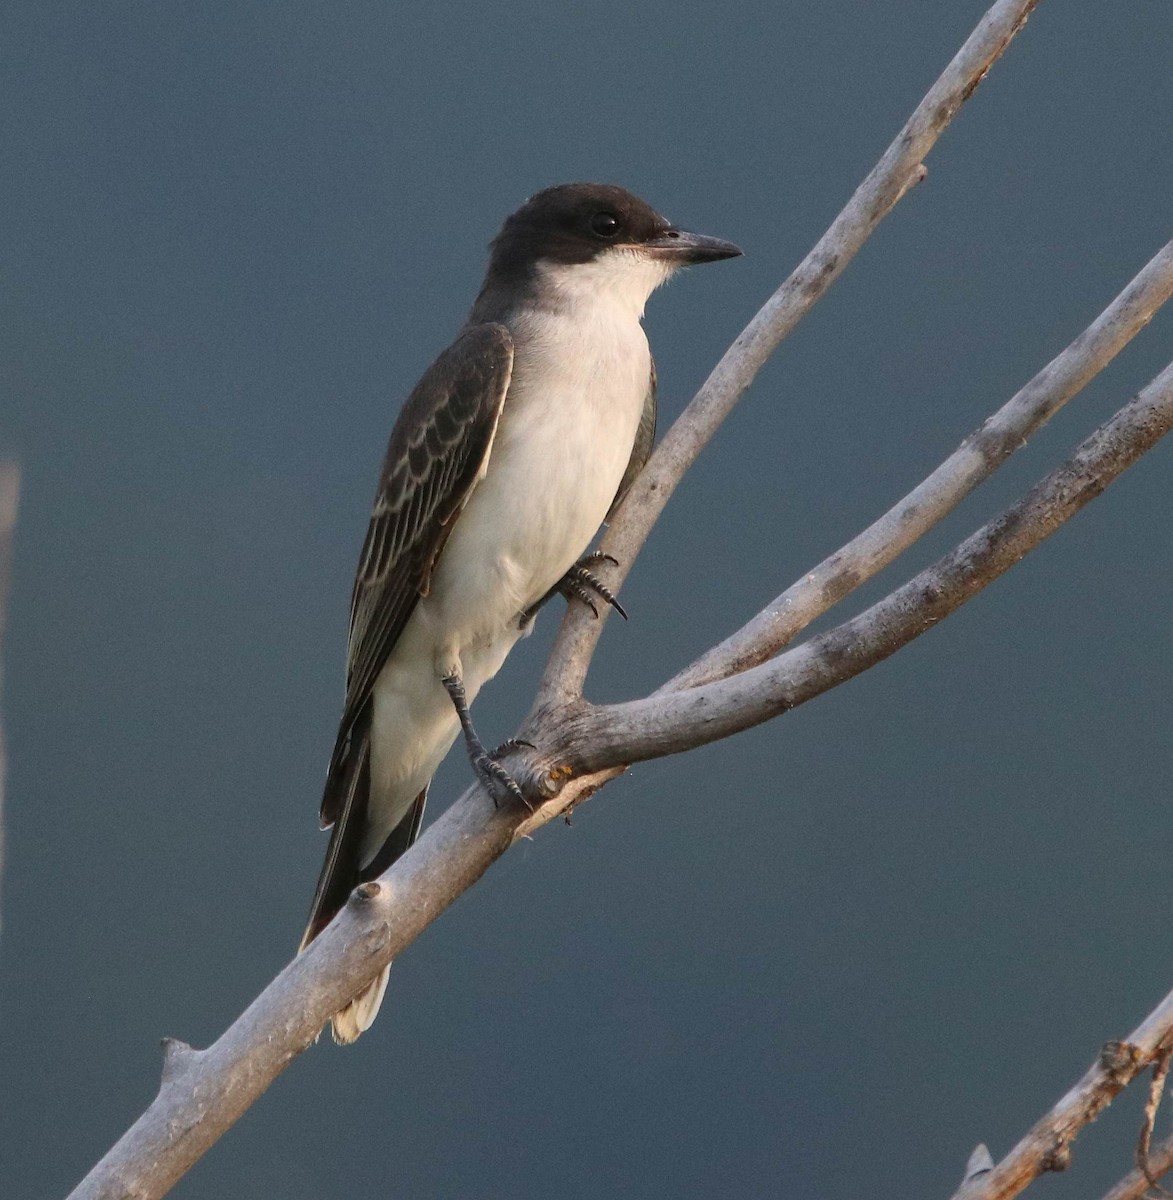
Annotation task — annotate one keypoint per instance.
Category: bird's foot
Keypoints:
(582, 583)
(579, 583)
(492, 775)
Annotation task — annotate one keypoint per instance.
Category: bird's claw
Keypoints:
(581, 582)
(511, 744)
(493, 775)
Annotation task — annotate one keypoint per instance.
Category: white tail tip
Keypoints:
(358, 1016)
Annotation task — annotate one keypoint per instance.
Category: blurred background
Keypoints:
(821, 959)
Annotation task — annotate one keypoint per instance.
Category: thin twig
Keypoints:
(1047, 1147)
(900, 168)
(974, 461)
(1152, 1104)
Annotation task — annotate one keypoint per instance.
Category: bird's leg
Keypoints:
(581, 583)
(490, 772)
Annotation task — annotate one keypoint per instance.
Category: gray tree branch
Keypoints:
(1047, 1146)
(591, 738)
(899, 169)
(204, 1092)
(973, 462)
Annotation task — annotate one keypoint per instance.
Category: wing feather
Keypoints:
(436, 454)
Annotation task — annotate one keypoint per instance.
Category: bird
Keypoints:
(511, 452)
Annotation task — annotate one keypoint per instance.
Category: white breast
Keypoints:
(580, 381)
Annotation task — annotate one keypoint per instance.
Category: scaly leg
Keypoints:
(490, 772)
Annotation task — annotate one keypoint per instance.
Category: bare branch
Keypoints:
(596, 738)
(1152, 1104)
(204, 1092)
(9, 502)
(899, 169)
(1047, 1147)
(974, 461)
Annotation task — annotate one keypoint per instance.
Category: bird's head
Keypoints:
(596, 237)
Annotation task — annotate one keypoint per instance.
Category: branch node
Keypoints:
(918, 174)
(178, 1058)
(366, 892)
(1120, 1061)
(1058, 1158)
(551, 782)
(979, 1163)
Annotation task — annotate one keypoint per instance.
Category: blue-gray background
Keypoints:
(822, 959)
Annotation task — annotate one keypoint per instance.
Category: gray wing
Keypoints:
(645, 435)
(438, 451)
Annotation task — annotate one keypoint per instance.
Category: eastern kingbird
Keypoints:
(512, 450)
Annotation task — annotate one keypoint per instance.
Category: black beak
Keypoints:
(686, 248)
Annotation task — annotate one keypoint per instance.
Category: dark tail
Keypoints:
(348, 790)
(347, 796)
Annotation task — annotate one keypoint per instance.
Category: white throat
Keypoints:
(620, 279)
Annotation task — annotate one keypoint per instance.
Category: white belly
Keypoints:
(563, 443)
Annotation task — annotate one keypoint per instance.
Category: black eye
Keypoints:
(605, 224)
